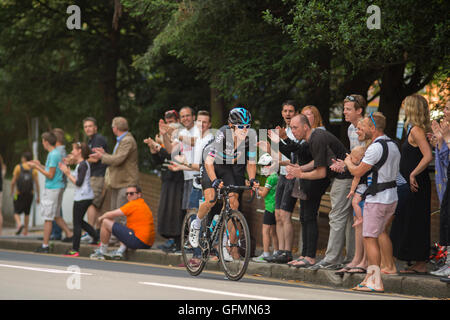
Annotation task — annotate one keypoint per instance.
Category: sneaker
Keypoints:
(283, 258)
(72, 253)
(259, 259)
(194, 235)
(41, 249)
(444, 271)
(170, 249)
(445, 279)
(321, 265)
(114, 255)
(168, 244)
(272, 258)
(86, 238)
(97, 255)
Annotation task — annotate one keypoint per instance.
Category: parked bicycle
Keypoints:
(228, 231)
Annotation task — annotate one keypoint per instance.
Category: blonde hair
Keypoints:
(318, 122)
(417, 112)
(120, 123)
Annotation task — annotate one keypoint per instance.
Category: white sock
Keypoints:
(122, 248)
(44, 246)
(103, 248)
(197, 223)
(276, 251)
(266, 254)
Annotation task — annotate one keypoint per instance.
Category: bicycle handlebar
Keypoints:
(225, 190)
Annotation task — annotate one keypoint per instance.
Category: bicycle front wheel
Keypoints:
(234, 245)
(193, 258)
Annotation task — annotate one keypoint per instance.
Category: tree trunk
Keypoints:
(217, 108)
(108, 79)
(391, 96)
(319, 88)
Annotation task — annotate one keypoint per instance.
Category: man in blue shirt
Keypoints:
(51, 200)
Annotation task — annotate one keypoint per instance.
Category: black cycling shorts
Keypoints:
(283, 196)
(269, 218)
(230, 175)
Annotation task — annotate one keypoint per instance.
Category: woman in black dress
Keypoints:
(169, 216)
(410, 231)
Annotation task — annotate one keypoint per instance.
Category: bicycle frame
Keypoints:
(224, 193)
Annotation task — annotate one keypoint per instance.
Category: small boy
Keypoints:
(268, 193)
(359, 185)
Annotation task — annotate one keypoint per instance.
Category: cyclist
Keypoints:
(227, 157)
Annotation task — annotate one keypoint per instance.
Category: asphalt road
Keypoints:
(30, 276)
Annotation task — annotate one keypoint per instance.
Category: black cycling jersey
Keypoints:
(229, 162)
(222, 148)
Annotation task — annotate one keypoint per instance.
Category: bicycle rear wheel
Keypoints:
(234, 245)
(194, 258)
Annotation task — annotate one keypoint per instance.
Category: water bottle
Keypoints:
(214, 222)
(369, 181)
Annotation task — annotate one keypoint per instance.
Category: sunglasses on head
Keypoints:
(242, 126)
(352, 99)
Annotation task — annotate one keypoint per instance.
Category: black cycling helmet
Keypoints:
(240, 116)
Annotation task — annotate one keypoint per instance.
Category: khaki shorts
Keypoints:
(51, 202)
(97, 185)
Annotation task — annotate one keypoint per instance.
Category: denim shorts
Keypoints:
(194, 198)
(127, 237)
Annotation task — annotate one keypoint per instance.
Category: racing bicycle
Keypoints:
(228, 231)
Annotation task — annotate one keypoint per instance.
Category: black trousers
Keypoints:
(79, 210)
(310, 230)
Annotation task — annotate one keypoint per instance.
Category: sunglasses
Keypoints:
(131, 193)
(373, 120)
(352, 99)
(242, 126)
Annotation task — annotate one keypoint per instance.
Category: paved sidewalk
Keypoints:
(413, 285)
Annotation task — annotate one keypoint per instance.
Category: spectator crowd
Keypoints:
(380, 189)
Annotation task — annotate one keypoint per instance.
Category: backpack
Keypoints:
(25, 181)
(376, 186)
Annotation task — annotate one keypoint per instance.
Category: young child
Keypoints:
(269, 232)
(83, 195)
(359, 185)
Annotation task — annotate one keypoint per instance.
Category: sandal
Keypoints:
(19, 231)
(360, 270)
(305, 264)
(366, 288)
(343, 270)
(294, 262)
(413, 272)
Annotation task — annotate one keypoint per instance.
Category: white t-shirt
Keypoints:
(199, 146)
(187, 150)
(388, 172)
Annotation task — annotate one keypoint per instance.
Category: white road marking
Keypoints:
(241, 295)
(44, 269)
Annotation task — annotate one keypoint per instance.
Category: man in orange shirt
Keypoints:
(139, 232)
